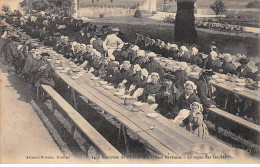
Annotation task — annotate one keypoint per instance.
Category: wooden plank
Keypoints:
(141, 121)
(86, 128)
(179, 142)
(236, 119)
(104, 105)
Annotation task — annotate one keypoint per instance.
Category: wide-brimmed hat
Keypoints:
(115, 29)
(243, 61)
(208, 72)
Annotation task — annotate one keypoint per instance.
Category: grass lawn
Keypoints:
(244, 43)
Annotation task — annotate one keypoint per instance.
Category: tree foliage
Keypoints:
(218, 7)
(5, 8)
(60, 7)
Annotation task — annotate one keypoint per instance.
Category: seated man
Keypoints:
(256, 75)
(167, 97)
(243, 70)
(98, 44)
(205, 90)
(181, 76)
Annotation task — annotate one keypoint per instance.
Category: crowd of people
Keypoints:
(132, 66)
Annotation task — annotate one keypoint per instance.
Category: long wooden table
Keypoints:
(226, 85)
(166, 137)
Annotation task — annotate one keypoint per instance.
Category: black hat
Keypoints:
(169, 77)
(243, 61)
(208, 72)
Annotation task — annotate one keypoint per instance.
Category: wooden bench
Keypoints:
(236, 119)
(105, 147)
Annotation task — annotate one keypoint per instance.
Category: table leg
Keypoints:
(74, 98)
(216, 124)
(126, 140)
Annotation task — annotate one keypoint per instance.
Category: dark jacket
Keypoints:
(149, 89)
(247, 73)
(181, 78)
(228, 68)
(167, 103)
(184, 103)
(153, 66)
(205, 92)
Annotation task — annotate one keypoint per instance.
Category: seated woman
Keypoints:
(127, 73)
(243, 70)
(196, 58)
(188, 97)
(195, 123)
(122, 55)
(113, 73)
(151, 89)
(184, 54)
(167, 97)
(181, 76)
(214, 62)
(153, 66)
(174, 51)
(185, 100)
(228, 66)
(138, 79)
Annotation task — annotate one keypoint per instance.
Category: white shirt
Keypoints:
(112, 42)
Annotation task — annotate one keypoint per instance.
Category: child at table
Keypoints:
(195, 123)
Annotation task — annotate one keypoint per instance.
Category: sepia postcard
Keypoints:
(129, 81)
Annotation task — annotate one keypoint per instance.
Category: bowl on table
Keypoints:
(109, 87)
(152, 115)
(138, 104)
(103, 82)
(75, 77)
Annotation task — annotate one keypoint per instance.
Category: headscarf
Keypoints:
(175, 46)
(183, 65)
(192, 84)
(194, 51)
(144, 73)
(135, 48)
(151, 55)
(125, 63)
(141, 53)
(155, 74)
(136, 68)
(227, 57)
(198, 104)
(214, 55)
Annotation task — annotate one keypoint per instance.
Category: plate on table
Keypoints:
(109, 87)
(49, 60)
(138, 103)
(94, 78)
(121, 93)
(103, 82)
(80, 75)
(59, 68)
(75, 77)
(81, 72)
(152, 115)
(215, 77)
(64, 71)
(237, 89)
(240, 80)
(241, 84)
(220, 80)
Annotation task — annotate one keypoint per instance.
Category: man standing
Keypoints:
(112, 43)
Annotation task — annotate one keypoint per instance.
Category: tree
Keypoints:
(254, 4)
(5, 8)
(184, 29)
(218, 7)
(60, 7)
